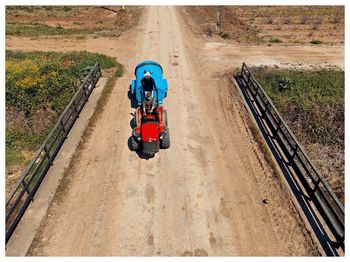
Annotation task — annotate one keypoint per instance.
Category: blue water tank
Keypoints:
(161, 84)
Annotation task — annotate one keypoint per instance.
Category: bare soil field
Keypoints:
(214, 192)
(71, 20)
(281, 25)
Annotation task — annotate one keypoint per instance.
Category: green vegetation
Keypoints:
(119, 71)
(17, 139)
(275, 40)
(12, 158)
(225, 35)
(39, 80)
(39, 85)
(36, 29)
(49, 10)
(312, 102)
(315, 42)
(68, 21)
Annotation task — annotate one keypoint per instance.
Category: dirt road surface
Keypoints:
(211, 193)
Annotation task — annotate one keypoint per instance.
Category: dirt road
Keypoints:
(203, 196)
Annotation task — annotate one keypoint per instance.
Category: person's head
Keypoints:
(148, 95)
(147, 75)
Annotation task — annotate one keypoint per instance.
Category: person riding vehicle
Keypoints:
(149, 104)
(147, 82)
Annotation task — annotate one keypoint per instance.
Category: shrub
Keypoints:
(225, 35)
(275, 40)
(315, 42)
(38, 80)
(67, 8)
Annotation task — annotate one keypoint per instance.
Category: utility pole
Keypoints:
(218, 21)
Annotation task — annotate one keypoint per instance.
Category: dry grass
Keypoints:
(291, 24)
(76, 21)
(312, 104)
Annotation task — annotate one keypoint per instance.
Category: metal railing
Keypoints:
(320, 193)
(29, 182)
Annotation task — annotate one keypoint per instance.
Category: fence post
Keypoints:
(99, 69)
(218, 22)
(295, 148)
(75, 107)
(63, 129)
(27, 190)
(316, 186)
(47, 153)
(277, 129)
(263, 115)
(85, 91)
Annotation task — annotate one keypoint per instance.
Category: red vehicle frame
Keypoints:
(151, 131)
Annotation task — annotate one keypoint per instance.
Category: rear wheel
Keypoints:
(165, 142)
(134, 144)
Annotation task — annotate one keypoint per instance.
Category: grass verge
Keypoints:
(312, 104)
(39, 85)
(13, 158)
(19, 29)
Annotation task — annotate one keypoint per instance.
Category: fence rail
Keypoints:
(29, 182)
(323, 197)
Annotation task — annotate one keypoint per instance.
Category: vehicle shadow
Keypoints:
(133, 101)
(139, 152)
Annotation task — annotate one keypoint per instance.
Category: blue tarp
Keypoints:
(156, 71)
